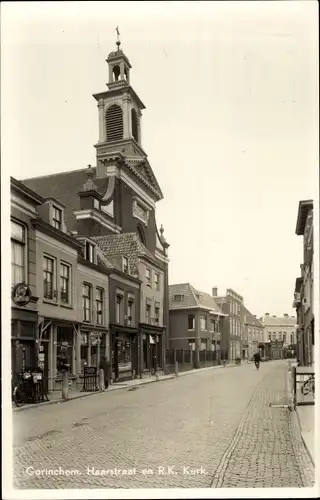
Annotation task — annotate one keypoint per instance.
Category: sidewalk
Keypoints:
(56, 396)
(306, 419)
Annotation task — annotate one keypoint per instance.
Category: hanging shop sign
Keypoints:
(21, 294)
(95, 338)
(83, 338)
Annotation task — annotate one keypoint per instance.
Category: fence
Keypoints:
(186, 358)
(303, 378)
(90, 382)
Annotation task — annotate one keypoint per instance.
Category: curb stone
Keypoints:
(115, 388)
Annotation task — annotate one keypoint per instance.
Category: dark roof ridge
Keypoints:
(58, 173)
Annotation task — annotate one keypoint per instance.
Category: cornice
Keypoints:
(55, 233)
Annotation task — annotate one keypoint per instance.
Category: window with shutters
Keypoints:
(114, 123)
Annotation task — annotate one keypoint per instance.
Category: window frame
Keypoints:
(204, 318)
(23, 244)
(57, 222)
(53, 297)
(69, 291)
(99, 317)
(125, 264)
(193, 322)
(148, 313)
(119, 308)
(89, 299)
(148, 277)
(157, 280)
(87, 255)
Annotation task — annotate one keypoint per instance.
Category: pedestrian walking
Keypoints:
(105, 366)
(257, 359)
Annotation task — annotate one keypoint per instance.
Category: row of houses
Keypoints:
(304, 286)
(223, 324)
(90, 265)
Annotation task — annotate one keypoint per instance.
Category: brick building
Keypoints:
(252, 337)
(230, 305)
(112, 202)
(303, 294)
(195, 320)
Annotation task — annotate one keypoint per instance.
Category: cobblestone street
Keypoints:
(210, 429)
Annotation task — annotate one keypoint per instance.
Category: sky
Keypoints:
(230, 126)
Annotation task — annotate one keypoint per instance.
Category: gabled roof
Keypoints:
(191, 298)
(251, 319)
(65, 187)
(127, 245)
(142, 169)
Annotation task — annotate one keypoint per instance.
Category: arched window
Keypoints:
(134, 122)
(114, 123)
(116, 73)
(141, 234)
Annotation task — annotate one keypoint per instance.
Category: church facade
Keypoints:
(111, 208)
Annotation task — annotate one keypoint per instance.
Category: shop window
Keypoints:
(84, 356)
(49, 265)
(86, 302)
(18, 253)
(65, 291)
(64, 349)
(124, 352)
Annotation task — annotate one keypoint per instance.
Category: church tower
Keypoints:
(132, 189)
(120, 110)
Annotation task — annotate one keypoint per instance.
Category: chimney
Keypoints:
(214, 292)
(286, 315)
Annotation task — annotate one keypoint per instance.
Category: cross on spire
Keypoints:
(118, 37)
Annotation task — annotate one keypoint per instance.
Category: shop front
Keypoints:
(23, 339)
(124, 352)
(151, 349)
(93, 346)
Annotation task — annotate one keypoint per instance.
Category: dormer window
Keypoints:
(90, 251)
(125, 264)
(57, 217)
(178, 298)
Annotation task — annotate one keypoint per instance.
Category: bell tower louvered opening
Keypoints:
(114, 123)
(134, 122)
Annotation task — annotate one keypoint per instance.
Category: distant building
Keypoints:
(279, 333)
(230, 305)
(195, 319)
(252, 334)
(303, 294)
